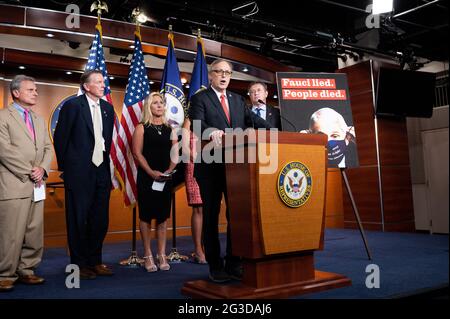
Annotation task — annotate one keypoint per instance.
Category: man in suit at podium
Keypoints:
(82, 143)
(258, 96)
(218, 110)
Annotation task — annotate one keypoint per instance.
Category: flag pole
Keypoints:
(134, 260)
(174, 256)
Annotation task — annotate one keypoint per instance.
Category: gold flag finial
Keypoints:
(99, 6)
(199, 33)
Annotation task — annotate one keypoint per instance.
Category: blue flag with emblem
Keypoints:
(199, 78)
(172, 89)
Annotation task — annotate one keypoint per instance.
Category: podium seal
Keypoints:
(294, 184)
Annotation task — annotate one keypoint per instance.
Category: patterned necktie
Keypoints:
(97, 156)
(29, 125)
(258, 111)
(225, 107)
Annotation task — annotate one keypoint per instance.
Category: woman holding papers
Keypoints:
(156, 156)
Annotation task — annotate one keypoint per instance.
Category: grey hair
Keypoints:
(221, 60)
(17, 80)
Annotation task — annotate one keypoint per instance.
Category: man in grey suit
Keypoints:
(25, 157)
(258, 95)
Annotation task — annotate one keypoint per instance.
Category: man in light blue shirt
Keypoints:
(258, 96)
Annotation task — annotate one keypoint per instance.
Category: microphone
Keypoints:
(282, 117)
(249, 109)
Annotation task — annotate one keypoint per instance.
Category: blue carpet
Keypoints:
(408, 263)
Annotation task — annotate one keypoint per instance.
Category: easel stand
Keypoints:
(355, 211)
(133, 260)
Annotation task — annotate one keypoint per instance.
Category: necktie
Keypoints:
(97, 156)
(28, 124)
(225, 107)
(258, 111)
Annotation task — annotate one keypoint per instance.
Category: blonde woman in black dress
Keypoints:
(156, 156)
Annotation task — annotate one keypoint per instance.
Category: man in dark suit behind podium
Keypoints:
(258, 96)
(218, 110)
(82, 143)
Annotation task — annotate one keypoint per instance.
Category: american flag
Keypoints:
(138, 88)
(96, 61)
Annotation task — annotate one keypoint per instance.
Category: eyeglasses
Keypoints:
(222, 72)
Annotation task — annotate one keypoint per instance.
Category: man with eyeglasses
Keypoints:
(216, 109)
(258, 96)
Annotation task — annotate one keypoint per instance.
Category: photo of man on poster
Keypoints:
(341, 137)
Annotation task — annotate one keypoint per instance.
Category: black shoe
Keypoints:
(234, 272)
(219, 276)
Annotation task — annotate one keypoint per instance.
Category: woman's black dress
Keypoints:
(156, 150)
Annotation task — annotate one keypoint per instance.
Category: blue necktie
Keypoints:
(258, 111)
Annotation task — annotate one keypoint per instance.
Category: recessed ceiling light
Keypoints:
(50, 35)
(187, 86)
(22, 67)
(111, 77)
(131, 46)
(382, 6)
(68, 72)
(275, 96)
(152, 82)
(245, 69)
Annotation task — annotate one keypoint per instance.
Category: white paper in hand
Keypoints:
(158, 186)
(39, 192)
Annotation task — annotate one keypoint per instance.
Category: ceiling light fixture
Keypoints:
(22, 67)
(49, 35)
(382, 6)
(139, 16)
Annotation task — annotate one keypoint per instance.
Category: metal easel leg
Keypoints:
(355, 211)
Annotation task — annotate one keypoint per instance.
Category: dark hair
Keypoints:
(86, 75)
(257, 82)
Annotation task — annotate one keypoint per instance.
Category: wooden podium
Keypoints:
(276, 238)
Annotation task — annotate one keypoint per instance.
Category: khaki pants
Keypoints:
(21, 237)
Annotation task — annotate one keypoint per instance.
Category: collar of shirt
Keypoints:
(261, 106)
(219, 94)
(21, 111)
(263, 110)
(92, 105)
(91, 102)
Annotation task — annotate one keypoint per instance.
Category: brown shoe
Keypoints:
(86, 273)
(102, 270)
(31, 280)
(6, 285)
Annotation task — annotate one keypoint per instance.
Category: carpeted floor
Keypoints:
(410, 264)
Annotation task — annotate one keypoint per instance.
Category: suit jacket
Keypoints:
(19, 153)
(74, 140)
(273, 117)
(206, 108)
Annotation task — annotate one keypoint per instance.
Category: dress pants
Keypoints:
(21, 237)
(87, 218)
(211, 190)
